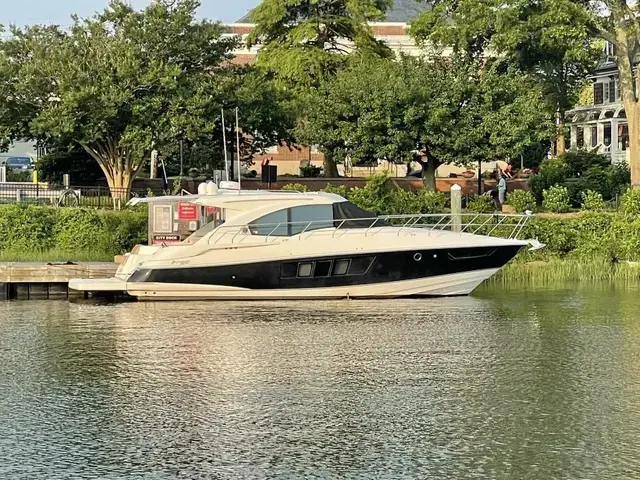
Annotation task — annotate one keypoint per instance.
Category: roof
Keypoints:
(245, 199)
(403, 11)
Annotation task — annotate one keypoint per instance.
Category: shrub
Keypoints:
(337, 190)
(29, 229)
(521, 200)
(481, 204)
(83, 169)
(296, 187)
(630, 202)
(580, 162)
(78, 229)
(310, 171)
(427, 201)
(556, 199)
(26, 227)
(552, 171)
(377, 195)
(558, 235)
(592, 201)
(618, 178)
(19, 175)
(422, 201)
(127, 229)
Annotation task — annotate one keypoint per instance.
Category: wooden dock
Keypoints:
(38, 281)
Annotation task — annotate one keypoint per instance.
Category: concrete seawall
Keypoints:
(38, 281)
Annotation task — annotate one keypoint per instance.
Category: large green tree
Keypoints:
(124, 82)
(559, 32)
(305, 42)
(434, 111)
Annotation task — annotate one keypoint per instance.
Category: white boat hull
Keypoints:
(442, 285)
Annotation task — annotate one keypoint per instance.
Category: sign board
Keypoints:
(187, 211)
(166, 239)
(211, 210)
(162, 221)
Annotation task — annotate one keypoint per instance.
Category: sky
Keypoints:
(58, 12)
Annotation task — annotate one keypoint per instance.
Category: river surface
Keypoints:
(517, 383)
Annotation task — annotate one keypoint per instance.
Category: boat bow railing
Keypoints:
(508, 226)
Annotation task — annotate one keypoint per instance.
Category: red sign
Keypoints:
(187, 211)
(211, 210)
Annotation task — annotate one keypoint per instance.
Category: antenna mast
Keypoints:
(238, 146)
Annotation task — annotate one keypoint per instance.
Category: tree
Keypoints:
(305, 42)
(124, 82)
(433, 110)
(570, 24)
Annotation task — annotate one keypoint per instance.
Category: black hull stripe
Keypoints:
(378, 268)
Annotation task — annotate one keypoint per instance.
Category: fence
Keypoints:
(96, 197)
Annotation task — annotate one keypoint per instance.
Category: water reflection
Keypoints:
(507, 384)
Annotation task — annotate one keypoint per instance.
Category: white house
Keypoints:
(601, 127)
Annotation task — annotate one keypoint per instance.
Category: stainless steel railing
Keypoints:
(501, 225)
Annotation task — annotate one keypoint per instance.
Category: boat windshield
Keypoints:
(294, 220)
(348, 215)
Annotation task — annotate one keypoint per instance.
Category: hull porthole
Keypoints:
(417, 257)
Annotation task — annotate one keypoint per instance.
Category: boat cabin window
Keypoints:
(327, 268)
(274, 224)
(305, 269)
(294, 220)
(341, 267)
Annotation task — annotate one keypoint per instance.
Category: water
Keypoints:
(521, 383)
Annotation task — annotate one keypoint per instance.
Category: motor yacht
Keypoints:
(291, 245)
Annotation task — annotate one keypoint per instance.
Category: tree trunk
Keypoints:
(632, 109)
(330, 166)
(560, 139)
(633, 121)
(429, 164)
(429, 175)
(118, 167)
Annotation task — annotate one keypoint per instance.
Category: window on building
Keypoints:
(580, 137)
(594, 135)
(623, 137)
(598, 93)
(607, 134)
(610, 49)
(567, 137)
(612, 91)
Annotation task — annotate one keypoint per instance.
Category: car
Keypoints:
(19, 163)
